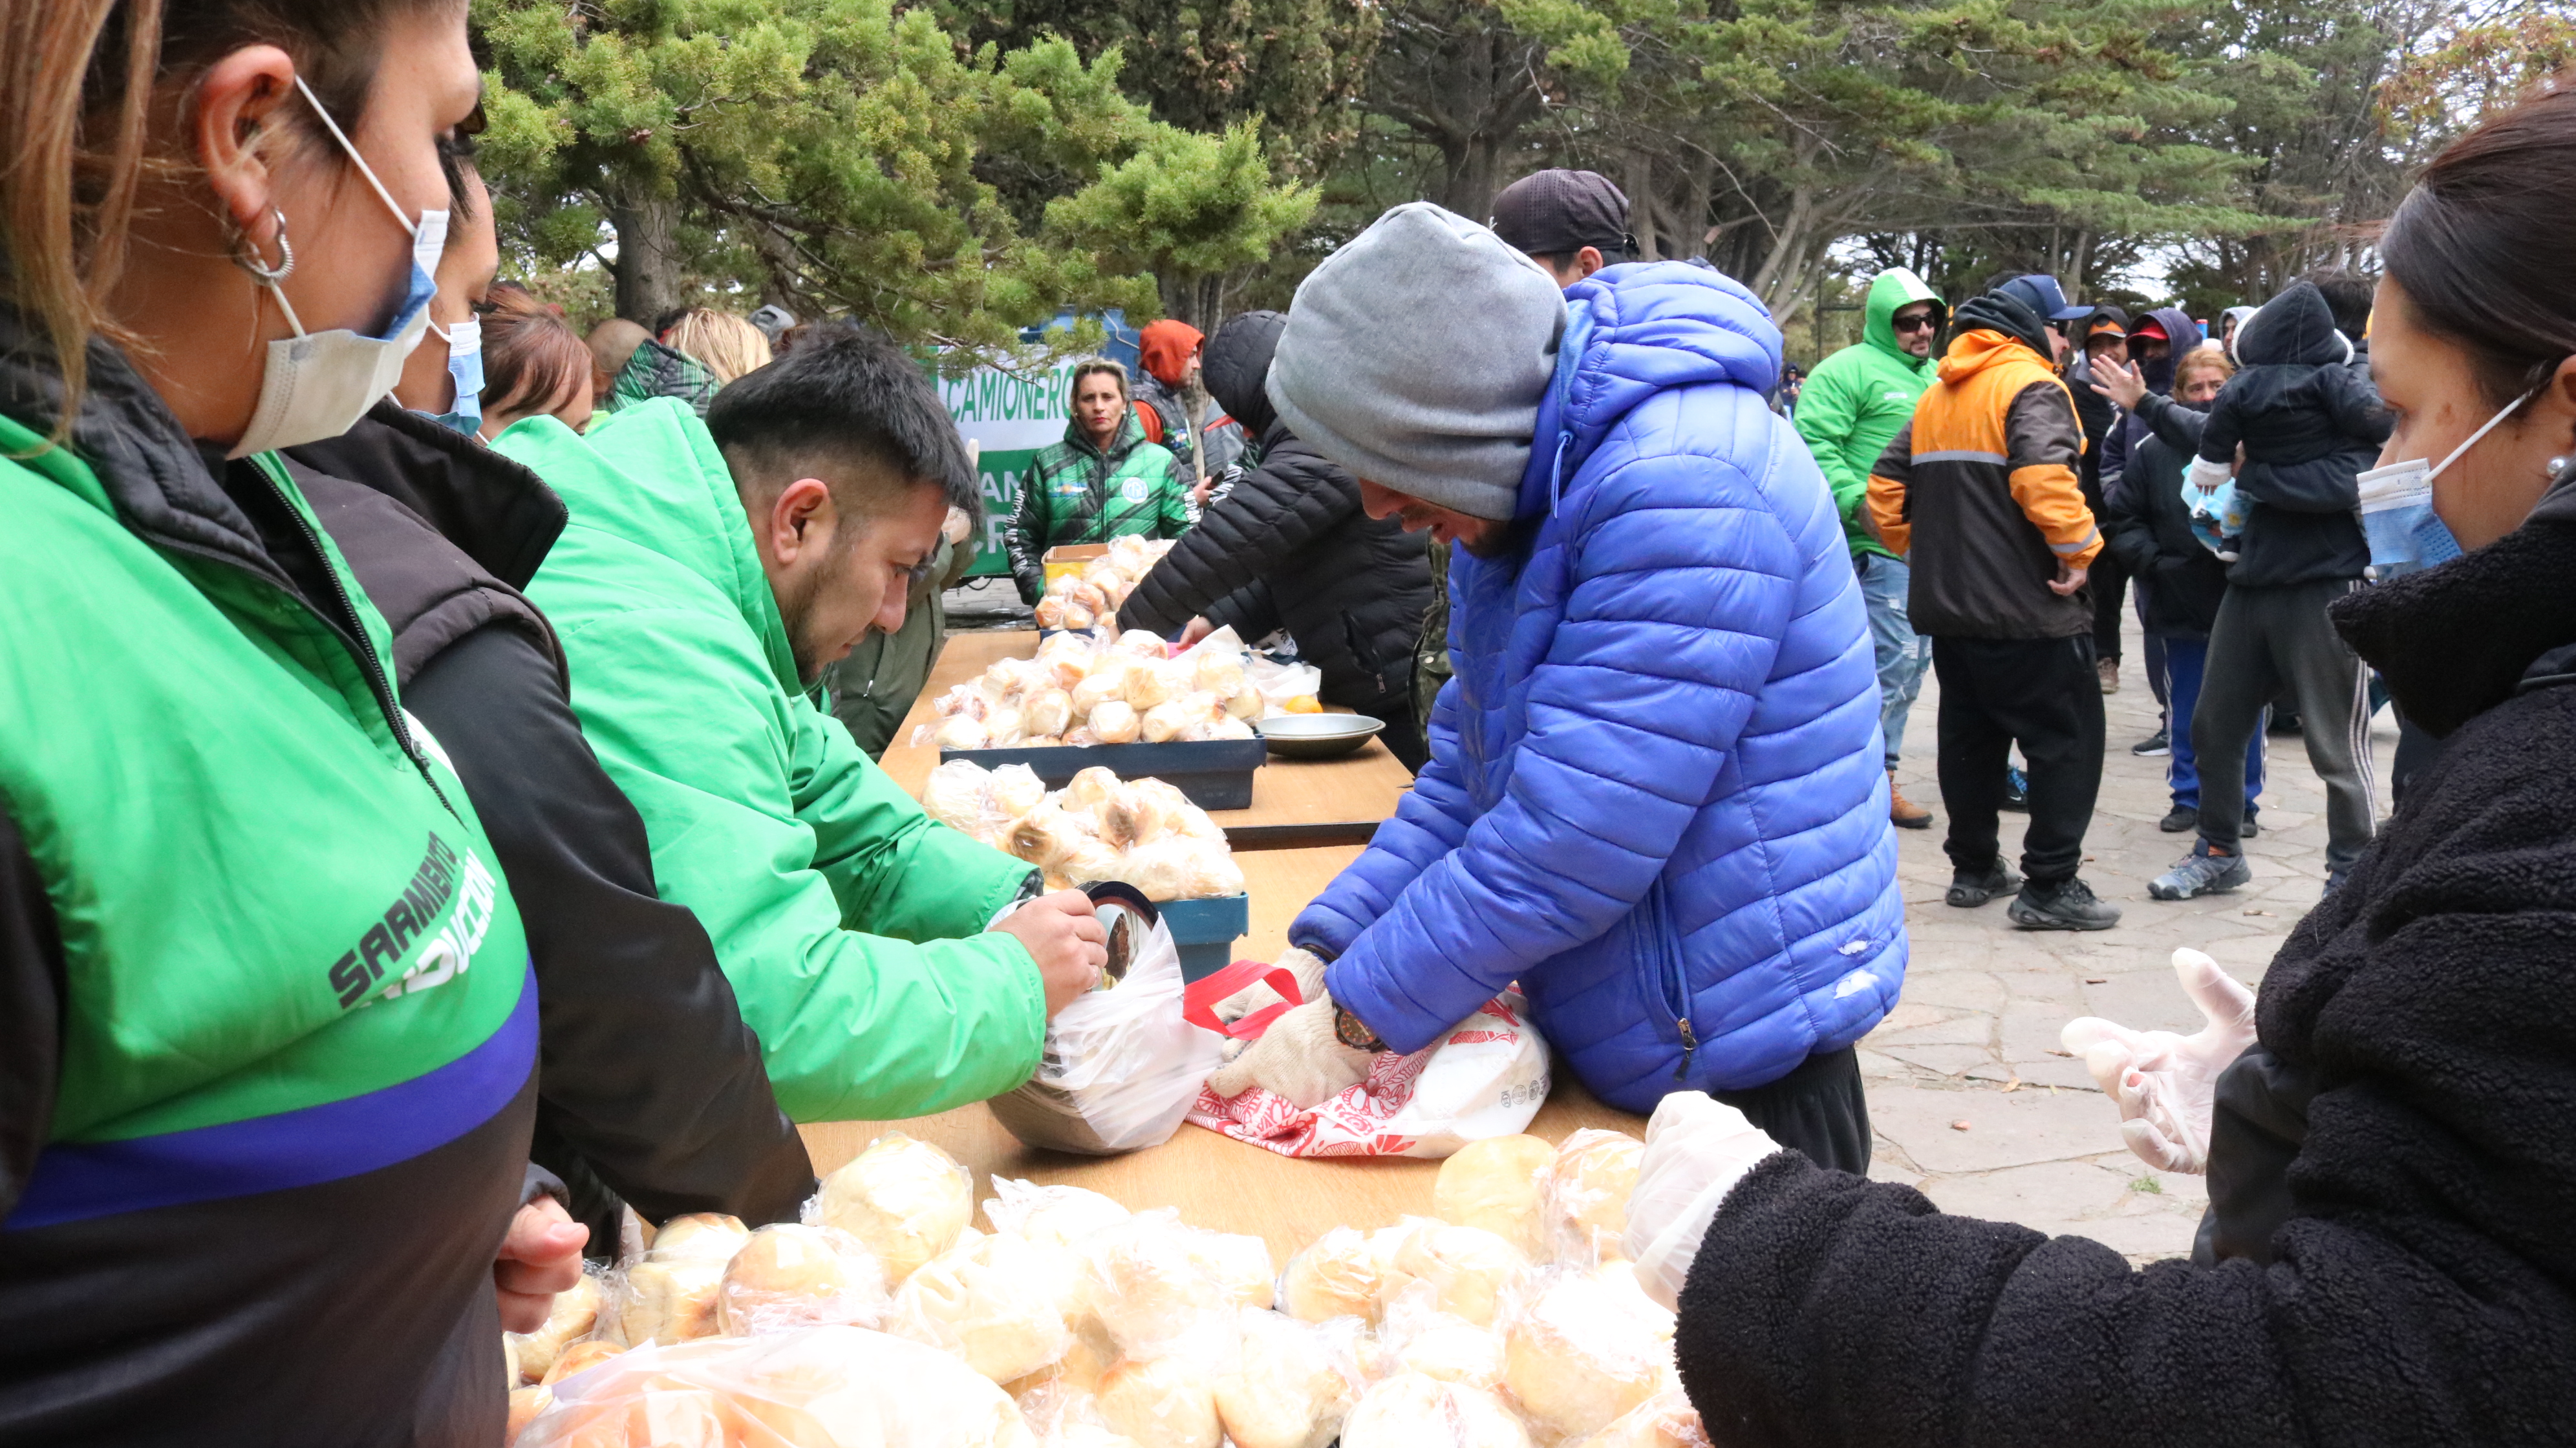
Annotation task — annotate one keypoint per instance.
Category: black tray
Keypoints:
(1213, 773)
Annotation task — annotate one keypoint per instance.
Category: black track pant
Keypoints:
(2043, 695)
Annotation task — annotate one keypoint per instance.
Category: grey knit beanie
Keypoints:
(1416, 355)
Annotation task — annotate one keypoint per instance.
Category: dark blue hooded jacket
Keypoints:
(1657, 795)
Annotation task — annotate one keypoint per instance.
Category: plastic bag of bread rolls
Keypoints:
(698, 1235)
(960, 732)
(1414, 1410)
(1584, 1348)
(1587, 1194)
(1239, 1265)
(1163, 1402)
(1049, 714)
(525, 1404)
(1057, 1214)
(575, 1313)
(1100, 686)
(822, 1387)
(580, 1357)
(993, 1302)
(669, 1301)
(954, 794)
(1140, 643)
(1183, 868)
(1114, 722)
(1012, 790)
(1151, 1282)
(1282, 1387)
(1500, 1185)
(1466, 1268)
(1164, 722)
(1666, 1420)
(791, 1275)
(905, 1200)
(1337, 1275)
(1062, 1416)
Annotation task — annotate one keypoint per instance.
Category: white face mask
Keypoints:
(2397, 508)
(318, 384)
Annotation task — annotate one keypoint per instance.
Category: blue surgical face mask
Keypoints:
(318, 384)
(2397, 515)
(464, 368)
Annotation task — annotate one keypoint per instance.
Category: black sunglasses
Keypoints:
(1927, 322)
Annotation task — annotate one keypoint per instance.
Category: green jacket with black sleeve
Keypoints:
(1076, 493)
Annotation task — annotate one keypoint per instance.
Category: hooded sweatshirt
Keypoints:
(2309, 425)
(1856, 400)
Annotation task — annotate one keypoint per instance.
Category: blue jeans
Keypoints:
(2184, 660)
(1903, 654)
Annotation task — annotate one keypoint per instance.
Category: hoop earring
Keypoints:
(246, 254)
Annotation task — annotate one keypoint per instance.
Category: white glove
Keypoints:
(2206, 475)
(1697, 1149)
(1303, 964)
(1298, 1058)
(2164, 1084)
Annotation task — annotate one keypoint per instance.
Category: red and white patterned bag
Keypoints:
(1486, 1077)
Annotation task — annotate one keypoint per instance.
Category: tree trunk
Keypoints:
(648, 255)
(1641, 205)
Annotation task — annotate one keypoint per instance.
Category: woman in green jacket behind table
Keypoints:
(1102, 482)
(268, 1038)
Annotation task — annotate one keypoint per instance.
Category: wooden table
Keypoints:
(1295, 803)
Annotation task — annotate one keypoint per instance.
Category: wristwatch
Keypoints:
(1348, 1030)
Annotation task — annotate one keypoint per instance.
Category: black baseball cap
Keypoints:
(1548, 213)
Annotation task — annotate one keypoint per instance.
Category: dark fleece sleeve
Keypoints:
(646, 1068)
(1271, 513)
(31, 1015)
(2178, 425)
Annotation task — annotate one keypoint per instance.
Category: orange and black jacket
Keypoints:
(1979, 492)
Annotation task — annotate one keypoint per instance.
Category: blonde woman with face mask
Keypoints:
(270, 1040)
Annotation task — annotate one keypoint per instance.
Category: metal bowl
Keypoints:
(1318, 736)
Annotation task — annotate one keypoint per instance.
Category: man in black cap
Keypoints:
(1573, 223)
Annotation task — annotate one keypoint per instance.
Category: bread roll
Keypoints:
(1500, 1185)
(1151, 682)
(1166, 1402)
(1150, 1283)
(1245, 704)
(1081, 737)
(960, 732)
(964, 699)
(698, 1235)
(1008, 678)
(1045, 836)
(1466, 1267)
(1453, 1351)
(669, 1301)
(1130, 817)
(991, 1302)
(905, 1201)
(1142, 643)
(1165, 721)
(1240, 1266)
(1087, 1359)
(580, 1356)
(1088, 861)
(1006, 727)
(1058, 1214)
(1666, 1420)
(525, 1404)
(1587, 1193)
(955, 794)
(1114, 722)
(1220, 674)
(1412, 1410)
(796, 1276)
(1337, 1275)
(1104, 684)
(1584, 1351)
(1282, 1389)
(1049, 714)
(1079, 613)
(1179, 815)
(575, 1312)
(866, 1389)
(1231, 729)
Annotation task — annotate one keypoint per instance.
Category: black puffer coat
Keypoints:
(2423, 1286)
(2148, 526)
(1349, 588)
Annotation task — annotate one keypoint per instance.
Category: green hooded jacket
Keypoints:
(851, 925)
(1075, 493)
(1857, 399)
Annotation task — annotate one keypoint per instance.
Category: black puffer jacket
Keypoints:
(1349, 588)
(2148, 526)
(2423, 1287)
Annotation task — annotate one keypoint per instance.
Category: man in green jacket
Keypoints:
(1851, 406)
(709, 573)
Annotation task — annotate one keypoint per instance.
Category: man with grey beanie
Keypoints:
(1655, 798)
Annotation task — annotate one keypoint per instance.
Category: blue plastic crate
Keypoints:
(1206, 931)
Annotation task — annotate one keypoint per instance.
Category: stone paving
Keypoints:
(1971, 1100)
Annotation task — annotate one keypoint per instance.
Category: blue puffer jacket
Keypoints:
(1656, 795)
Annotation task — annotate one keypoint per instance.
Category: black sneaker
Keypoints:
(2016, 790)
(2067, 905)
(2154, 746)
(2249, 829)
(1972, 888)
(2200, 873)
(2184, 817)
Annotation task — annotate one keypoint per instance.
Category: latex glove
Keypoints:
(2166, 1084)
(1697, 1149)
(1298, 1058)
(1303, 964)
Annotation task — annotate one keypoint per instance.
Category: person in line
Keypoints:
(2392, 1159)
(2309, 426)
(1573, 223)
(1168, 355)
(1979, 493)
(652, 1090)
(443, 376)
(1854, 405)
(1292, 546)
(613, 344)
(728, 346)
(269, 1062)
(1655, 797)
(2156, 342)
(2229, 319)
(709, 572)
(534, 364)
(2181, 581)
(2101, 332)
(1103, 481)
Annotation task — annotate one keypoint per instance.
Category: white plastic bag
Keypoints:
(1278, 683)
(1121, 1067)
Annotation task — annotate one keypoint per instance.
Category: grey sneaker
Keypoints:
(2200, 873)
(2066, 905)
(1972, 888)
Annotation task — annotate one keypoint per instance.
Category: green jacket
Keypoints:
(851, 925)
(872, 689)
(1855, 401)
(659, 371)
(1075, 493)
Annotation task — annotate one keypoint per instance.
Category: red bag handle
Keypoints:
(1199, 998)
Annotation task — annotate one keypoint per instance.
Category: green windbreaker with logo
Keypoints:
(850, 923)
(1856, 399)
(1075, 493)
